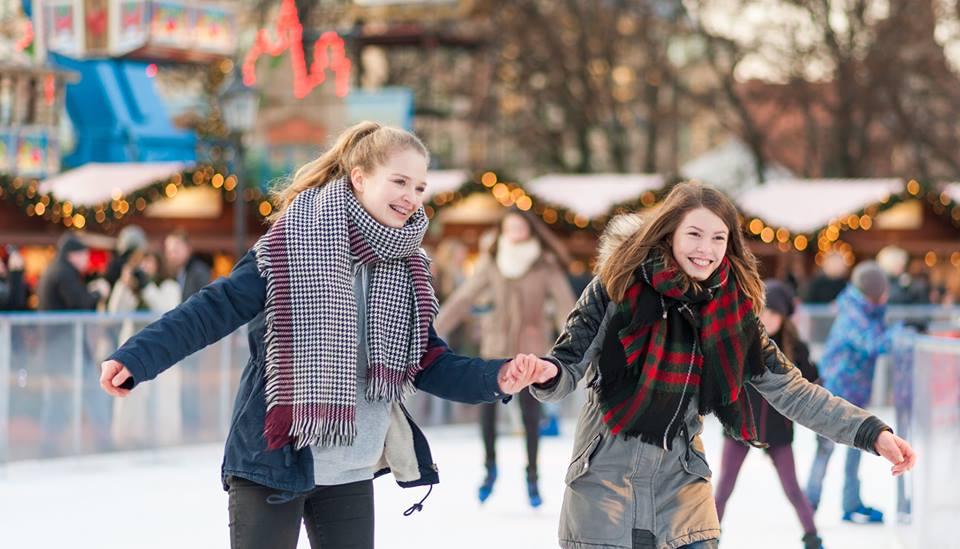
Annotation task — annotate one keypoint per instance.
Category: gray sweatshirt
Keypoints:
(345, 464)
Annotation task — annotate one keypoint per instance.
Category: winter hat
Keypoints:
(69, 243)
(870, 279)
(131, 238)
(779, 297)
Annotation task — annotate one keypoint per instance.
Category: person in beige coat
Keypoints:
(523, 273)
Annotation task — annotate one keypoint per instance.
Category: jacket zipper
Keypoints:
(686, 381)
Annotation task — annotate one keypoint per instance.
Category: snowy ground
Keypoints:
(172, 498)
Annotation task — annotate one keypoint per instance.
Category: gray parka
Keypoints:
(626, 494)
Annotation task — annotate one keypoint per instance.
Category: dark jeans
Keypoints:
(336, 517)
(530, 411)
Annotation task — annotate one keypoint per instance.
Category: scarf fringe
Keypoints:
(277, 431)
(312, 431)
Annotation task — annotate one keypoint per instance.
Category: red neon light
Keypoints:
(328, 52)
(49, 89)
(27, 38)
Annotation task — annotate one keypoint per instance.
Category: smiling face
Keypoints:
(515, 228)
(393, 191)
(699, 243)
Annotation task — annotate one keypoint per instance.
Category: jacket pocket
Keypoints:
(581, 463)
(694, 462)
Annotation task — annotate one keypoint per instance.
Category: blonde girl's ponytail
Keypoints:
(322, 169)
(366, 145)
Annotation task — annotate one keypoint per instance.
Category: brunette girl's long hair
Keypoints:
(617, 273)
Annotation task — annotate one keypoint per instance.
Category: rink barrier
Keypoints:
(51, 404)
(928, 415)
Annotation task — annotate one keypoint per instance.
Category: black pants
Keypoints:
(336, 517)
(530, 411)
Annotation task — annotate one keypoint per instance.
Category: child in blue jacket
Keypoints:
(858, 336)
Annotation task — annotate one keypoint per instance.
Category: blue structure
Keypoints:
(391, 105)
(118, 115)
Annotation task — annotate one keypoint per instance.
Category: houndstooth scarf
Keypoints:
(311, 314)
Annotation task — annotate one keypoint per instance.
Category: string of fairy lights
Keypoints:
(829, 238)
(509, 194)
(25, 194)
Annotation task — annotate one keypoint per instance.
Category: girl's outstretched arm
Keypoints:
(819, 410)
(209, 315)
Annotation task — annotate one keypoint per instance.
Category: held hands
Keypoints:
(523, 371)
(112, 376)
(897, 451)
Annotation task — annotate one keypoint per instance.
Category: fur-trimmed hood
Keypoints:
(618, 230)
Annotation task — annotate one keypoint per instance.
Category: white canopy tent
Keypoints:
(442, 181)
(806, 205)
(95, 183)
(592, 195)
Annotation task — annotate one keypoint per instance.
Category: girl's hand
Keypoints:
(897, 451)
(112, 376)
(523, 371)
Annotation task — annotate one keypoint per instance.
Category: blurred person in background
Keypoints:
(13, 289)
(191, 273)
(829, 282)
(904, 288)
(130, 240)
(449, 261)
(940, 282)
(62, 288)
(772, 428)
(522, 270)
(952, 288)
(153, 414)
(858, 336)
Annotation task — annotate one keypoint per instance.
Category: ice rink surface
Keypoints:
(173, 499)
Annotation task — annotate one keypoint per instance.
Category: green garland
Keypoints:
(804, 240)
(943, 204)
(24, 193)
(549, 213)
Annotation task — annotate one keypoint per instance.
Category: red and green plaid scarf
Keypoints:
(665, 347)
